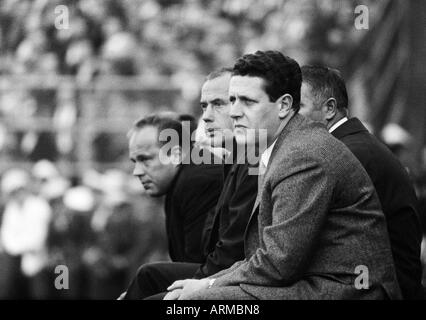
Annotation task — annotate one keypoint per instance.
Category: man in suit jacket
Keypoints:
(223, 239)
(317, 221)
(324, 99)
(166, 168)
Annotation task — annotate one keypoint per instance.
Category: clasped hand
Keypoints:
(182, 289)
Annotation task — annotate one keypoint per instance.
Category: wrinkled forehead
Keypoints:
(216, 88)
(144, 140)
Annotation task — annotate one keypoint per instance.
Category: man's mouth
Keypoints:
(211, 131)
(146, 184)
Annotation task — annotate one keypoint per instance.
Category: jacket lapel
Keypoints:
(294, 123)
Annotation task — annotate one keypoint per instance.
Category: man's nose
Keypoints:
(208, 114)
(235, 111)
(139, 170)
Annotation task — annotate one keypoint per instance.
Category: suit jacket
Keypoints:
(398, 200)
(317, 220)
(224, 234)
(193, 193)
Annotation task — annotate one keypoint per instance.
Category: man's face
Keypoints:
(215, 105)
(251, 109)
(144, 152)
(309, 106)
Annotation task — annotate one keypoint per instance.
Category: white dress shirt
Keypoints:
(266, 155)
(338, 124)
(24, 232)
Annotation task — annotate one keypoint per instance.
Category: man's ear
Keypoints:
(285, 104)
(176, 155)
(330, 109)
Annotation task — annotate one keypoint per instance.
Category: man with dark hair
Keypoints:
(316, 220)
(324, 99)
(191, 190)
(223, 240)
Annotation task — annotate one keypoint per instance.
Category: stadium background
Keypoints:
(68, 97)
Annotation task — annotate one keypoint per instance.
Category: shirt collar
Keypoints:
(267, 154)
(338, 124)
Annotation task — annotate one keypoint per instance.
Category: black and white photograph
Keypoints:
(220, 152)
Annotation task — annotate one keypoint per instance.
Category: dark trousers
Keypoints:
(154, 278)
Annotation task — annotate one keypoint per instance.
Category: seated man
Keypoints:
(191, 189)
(324, 99)
(223, 241)
(317, 230)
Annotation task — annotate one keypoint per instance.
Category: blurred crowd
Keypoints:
(181, 40)
(99, 226)
(178, 38)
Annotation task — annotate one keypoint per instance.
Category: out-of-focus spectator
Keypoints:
(70, 236)
(122, 241)
(395, 137)
(119, 54)
(23, 233)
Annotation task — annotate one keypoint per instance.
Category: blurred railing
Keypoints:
(84, 123)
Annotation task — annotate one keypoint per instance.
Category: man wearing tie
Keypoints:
(316, 220)
(223, 237)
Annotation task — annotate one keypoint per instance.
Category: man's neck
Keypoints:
(281, 127)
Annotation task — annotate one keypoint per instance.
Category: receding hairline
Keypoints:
(225, 87)
(325, 82)
(218, 73)
(217, 78)
(136, 130)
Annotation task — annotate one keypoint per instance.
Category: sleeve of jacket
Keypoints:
(230, 247)
(301, 190)
(228, 270)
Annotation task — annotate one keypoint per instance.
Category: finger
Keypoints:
(168, 296)
(173, 295)
(176, 285)
(184, 296)
(121, 297)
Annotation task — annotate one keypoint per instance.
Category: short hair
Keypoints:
(161, 122)
(218, 73)
(281, 74)
(326, 83)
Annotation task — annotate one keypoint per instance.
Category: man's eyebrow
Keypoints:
(245, 98)
(138, 156)
(217, 100)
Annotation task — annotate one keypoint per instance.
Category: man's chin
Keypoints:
(153, 193)
(221, 141)
(217, 142)
(241, 139)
